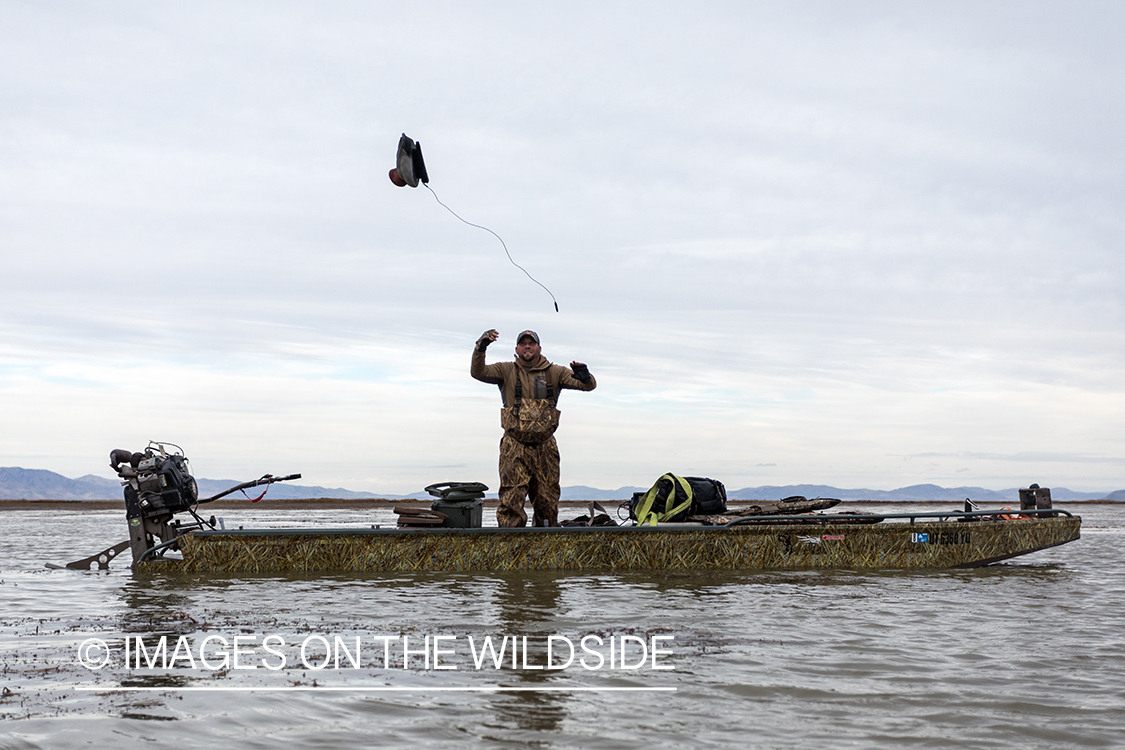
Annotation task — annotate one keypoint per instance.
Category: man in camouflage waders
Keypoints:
(529, 455)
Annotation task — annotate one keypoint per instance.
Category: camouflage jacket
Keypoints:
(539, 380)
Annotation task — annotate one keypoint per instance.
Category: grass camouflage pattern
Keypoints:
(941, 544)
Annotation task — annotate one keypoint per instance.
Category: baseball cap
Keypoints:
(534, 336)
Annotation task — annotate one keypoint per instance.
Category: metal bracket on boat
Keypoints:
(100, 558)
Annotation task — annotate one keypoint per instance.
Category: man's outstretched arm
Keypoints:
(578, 378)
(485, 373)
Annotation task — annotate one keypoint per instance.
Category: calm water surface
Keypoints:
(1026, 654)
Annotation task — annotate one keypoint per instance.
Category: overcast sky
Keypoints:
(861, 244)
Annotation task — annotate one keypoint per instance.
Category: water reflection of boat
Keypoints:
(954, 539)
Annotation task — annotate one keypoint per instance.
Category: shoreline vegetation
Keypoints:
(367, 503)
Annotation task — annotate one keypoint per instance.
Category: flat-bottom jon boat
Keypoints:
(776, 535)
(913, 540)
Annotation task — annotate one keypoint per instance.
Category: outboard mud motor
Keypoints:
(156, 482)
(158, 485)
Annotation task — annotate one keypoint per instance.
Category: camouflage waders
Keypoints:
(529, 455)
(528, 470)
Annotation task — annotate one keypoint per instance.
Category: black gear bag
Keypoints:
(673, 498)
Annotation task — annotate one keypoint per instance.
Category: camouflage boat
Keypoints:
(773, 535)
(910, 540)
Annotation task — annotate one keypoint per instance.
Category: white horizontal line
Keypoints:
(378, 689)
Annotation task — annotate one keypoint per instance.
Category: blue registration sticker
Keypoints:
(920, 538)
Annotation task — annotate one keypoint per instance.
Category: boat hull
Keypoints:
(928, 544)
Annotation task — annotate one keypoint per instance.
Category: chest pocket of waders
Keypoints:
(531, 421)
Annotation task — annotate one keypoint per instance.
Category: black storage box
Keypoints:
(462, 514)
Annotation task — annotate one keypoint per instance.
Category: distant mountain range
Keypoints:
(39, 484)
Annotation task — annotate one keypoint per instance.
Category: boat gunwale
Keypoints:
(740, 525)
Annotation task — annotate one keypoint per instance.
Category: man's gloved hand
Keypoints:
(487, 338)
(581, 372)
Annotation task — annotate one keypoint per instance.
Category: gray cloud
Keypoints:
(869, 238)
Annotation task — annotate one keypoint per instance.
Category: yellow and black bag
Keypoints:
(667, 501)
(674, 498)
